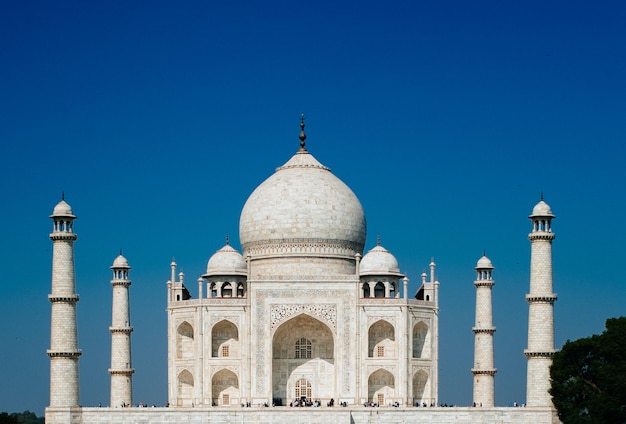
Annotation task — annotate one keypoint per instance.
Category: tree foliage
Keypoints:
(588, 377)
(25, 417)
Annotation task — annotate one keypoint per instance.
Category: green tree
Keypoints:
(588, 377)
(25, 417)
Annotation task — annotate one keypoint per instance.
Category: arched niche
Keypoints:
(381, 387)
(184, 341)
(421, 340)
(225, 388)
(225, 340)
(185, 388)
(303, 347)
(381, 340)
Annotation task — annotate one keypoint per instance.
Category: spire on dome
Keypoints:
(378, 240)
(302, 134)
(541, 196)
(227, 240)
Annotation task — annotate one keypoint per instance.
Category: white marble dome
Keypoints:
(484, 263)
(379, 261)
(302, 209)
(542, 209)
(63, 209)
(120, 262)
(226, 261)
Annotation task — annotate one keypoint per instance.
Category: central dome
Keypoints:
(302, 209)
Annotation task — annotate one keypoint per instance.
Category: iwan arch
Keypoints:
(300, 315)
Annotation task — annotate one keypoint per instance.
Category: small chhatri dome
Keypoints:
(379, 261)
(120, 262)
(62, 209)
(226, 261)
(542, 209)
(484, 263)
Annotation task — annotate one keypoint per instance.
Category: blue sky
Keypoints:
(447, 119)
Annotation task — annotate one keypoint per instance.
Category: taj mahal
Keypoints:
(302, 316)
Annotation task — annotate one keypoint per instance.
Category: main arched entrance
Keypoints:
(303, 365)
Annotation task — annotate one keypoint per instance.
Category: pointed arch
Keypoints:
(303, 347)
(225, 388)
(381, 340)
(227, 289)
(420, 394)
(185, 388)
(379, 289)
(225, 340)
(184, 341)
(381, 387)
(421, 340)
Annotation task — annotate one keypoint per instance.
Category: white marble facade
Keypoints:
(300, 313)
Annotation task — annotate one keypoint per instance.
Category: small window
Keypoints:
(380, 351)
(303, 349)
(381, 399)
(226, 351)
(225, 399)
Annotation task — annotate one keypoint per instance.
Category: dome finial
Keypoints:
(302, 134)
(120, 251)
(542, 195)
(227, 240)
(378, 240)
(62, 195)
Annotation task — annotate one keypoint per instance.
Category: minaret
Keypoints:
(483, 370)
(541, 308)
(63, 352)
(121, 366)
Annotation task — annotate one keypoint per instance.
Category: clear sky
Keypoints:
(447, 119)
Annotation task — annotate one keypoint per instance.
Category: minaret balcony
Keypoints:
(488, 330)
(122, 371)
(126, 330)
(71, 298)
(63, 236)
(491, 371)
(546, 354)
(64, 354)
(541, 235)
(545, 298)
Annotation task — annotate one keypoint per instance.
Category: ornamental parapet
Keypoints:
(126, 330)
(541, 235)
(208, 301)
(545, 354)
(364, 301)
(484, 283)
(121, 371)
(544, 298)
(64, 354)
(489, 330)
(63, 236)
(70, 298)
(304, 278)
(125, 283)
(491, 371)
(263, 249)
